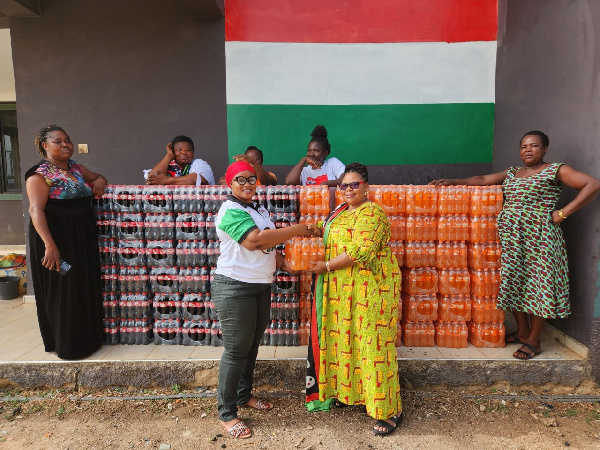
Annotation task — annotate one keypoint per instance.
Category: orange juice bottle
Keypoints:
(401, 199)
(475, 200)
(339, 197)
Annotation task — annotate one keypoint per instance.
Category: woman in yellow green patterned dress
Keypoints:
(352, 352)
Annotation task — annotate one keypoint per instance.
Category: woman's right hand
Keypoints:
(441, 182)
(51, 259)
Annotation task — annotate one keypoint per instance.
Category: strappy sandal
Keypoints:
(524, 355)
(514, 338)
(388, 427)
(239, 430)
(260, 405)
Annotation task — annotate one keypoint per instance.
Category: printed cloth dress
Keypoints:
(535, 276)
(69, 307)
(352, 352)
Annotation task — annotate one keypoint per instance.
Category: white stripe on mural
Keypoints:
(360, 74)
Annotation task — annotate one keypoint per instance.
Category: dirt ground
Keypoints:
(435, 418)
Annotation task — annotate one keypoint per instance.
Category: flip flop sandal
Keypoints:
(260, 405)
(239, 431)
(526, 355)
(514, 338)
(388, 427)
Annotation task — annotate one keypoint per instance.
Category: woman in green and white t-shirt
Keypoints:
(241, 291)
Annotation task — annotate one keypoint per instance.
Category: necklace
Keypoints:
(55, 164)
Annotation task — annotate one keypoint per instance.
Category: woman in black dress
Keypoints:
(63, 228)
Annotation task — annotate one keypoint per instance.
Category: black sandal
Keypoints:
(523, 355)
(388, 427)
(514, 338)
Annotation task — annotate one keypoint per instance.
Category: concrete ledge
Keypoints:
(284, 374)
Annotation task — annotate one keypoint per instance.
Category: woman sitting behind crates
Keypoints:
(535, 281)
(241, 291)
(352, 351)
(179, 167)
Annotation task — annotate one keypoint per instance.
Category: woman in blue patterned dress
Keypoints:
(63, 227)
(535, 280)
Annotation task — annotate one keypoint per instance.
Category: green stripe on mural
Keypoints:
(452, 133)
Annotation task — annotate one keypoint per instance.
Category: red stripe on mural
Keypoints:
(361, 21)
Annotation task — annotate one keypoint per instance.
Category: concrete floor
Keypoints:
(20, 340)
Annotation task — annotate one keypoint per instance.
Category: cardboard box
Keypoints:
(20, 272)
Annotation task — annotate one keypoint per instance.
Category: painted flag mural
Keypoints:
(394, 81)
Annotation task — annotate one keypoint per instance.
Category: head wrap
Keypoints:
(235, 168)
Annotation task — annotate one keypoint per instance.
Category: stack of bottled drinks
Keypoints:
(157, 247)
(286, 326)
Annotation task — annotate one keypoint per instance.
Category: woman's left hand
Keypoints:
(98, 186)
(318, 267)
(556, 217)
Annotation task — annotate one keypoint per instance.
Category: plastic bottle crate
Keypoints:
(283, 219)
(311, 219)
(398, 249)
(131, 253)
(454, 308)
(110, 304)
(167, 331)
(164, 279)
(453, 199)
(196, 332)
(300, 252)
(191, 226)
(451, 255)
(130, 226)
(421, 199)
(166, 306)
(488, 335)
(419, 254)
(284, 307)
(397, 227)
(282, 199)
(195, 307)
(484, 309)
(127, 198)
(451, 334)
(159, 227)
(483, 229)
(106, 221)
(392, 198)
(134, 306)
(108, 252)
(314, 200)
(485, 200)
(105, 202)
(133, 279)
(418, 334)
(452, 228)
(157, 199)
(111, 331)
(485, 255)
(419, 308)
(216, 338)
(191, 253)
(485, 282)
(135, 331)
(421, 228)
(454, 281)
(160, 253)
(420, 281)
(283, 333)
(285, 283)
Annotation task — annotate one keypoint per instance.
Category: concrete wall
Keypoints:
(123, 77)
(547, 79)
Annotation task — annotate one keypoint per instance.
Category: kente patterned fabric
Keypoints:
(535, 275)
(64, 184)
(358, 317)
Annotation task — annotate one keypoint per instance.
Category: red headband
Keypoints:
(237, 167)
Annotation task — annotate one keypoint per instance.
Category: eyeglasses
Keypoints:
(242, 180)
(353, 185)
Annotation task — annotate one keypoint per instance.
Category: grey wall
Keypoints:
(123, 77)
(547, 79)
(11, 225)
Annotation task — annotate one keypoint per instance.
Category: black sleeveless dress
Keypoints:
(69, 307)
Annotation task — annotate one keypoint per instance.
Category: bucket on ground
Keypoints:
(9, 287)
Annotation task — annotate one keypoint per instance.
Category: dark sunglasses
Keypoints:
(353, 185)
(242, 180)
